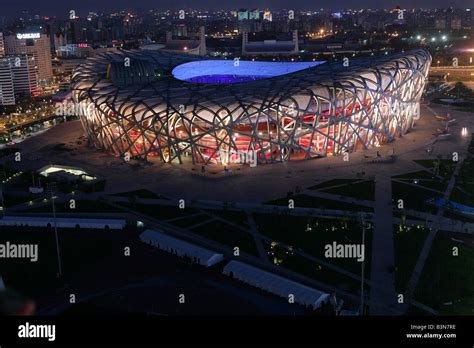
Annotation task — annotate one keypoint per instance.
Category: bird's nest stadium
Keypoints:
(185, 108)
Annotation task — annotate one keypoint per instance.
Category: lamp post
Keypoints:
(51, 187)
(362, 267)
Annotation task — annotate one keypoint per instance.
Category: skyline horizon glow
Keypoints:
(14, 8)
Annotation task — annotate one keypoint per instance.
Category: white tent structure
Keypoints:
(275, 284)
(181, 248)
(33, 221)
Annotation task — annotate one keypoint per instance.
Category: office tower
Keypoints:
(34, 44)
(7, 94)
(17, 78)
(24, 74)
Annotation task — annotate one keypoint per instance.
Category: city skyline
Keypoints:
(58, 8)
(261, 159)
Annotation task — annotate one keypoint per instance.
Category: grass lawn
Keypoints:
(18, 180)
(434, 184)
(237, 217)
(402, 216)
(447, 278)
(294, 231)
(465, 181)
(425, 179)
(305, 201)
(422, 174)
(408, 241)
(227, 235)
(190, 220)
(461, 197)
(312, 269)
(139, 194)
(362, 190)
(413, 197)
(89, 309)
(160, 212)
(79, 250)
(12, 200)
(412, 310)
(446, 166)
(333, 182)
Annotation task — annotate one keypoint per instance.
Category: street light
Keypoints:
(51, 187)
(365, 225)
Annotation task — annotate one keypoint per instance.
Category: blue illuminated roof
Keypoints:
(230, 71)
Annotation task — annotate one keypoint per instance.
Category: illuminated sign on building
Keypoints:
(28, 36)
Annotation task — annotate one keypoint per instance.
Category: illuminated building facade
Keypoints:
(36, 45)
(181, 107)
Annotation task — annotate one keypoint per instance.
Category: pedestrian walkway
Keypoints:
(383, 297)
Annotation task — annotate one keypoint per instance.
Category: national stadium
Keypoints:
(188, 108)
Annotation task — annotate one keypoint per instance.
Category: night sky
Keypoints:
(62, 7)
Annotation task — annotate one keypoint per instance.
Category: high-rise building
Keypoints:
(7, 94)
(24, 74)
(440, 23)
(254, 14)
(267, 15)
(35, 44)
(456, 24)
(2, 46)
(243, 14)
(59, 40)
(17, 78)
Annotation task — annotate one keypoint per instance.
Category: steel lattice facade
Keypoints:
(141, 109)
